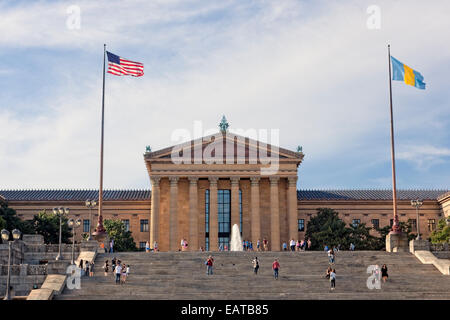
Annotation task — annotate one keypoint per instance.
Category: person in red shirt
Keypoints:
(275, 267)
(209, 265)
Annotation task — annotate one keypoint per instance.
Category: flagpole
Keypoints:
(100, 229)
(395, 226)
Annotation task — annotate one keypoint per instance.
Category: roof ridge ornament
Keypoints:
(223, 125)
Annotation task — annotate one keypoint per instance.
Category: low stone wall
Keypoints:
(421, 249)
(21, 284)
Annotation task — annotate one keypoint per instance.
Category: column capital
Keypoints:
(292, 181)
(274, 180)
(155, 181)
(174, 180)
(255, 180)
(213, 180)
(193, 180)
(234, 180)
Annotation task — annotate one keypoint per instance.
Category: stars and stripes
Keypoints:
(120, 66)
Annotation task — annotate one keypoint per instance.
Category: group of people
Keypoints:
(296, 245)
(148, 249)
(119, 269)
(87, 268)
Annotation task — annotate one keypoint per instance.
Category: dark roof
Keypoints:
(73, 195)
(82, 195)
(368, 194)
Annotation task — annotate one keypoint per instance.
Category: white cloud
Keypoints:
(312, 70)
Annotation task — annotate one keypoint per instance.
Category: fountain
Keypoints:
(236, 240)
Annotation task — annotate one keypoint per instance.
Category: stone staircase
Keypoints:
(182, 275)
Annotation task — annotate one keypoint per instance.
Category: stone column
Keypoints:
(292, 208)
(193, 214)
(213, 215)
(154, 211)
(274, 215)
(235, 202)
(173, 240)
(255, 211)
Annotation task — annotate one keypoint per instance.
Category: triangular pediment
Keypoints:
(227, 145)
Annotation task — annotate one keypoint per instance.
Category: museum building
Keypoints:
(201, 188)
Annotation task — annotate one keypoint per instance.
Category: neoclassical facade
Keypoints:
(201, 188)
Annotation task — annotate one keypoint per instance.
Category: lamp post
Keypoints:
(5, 237)
(417, 204)
(60, 212)
(73, 224)
(90, 204)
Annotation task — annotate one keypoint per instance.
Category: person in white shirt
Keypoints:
(333, 279)
(118, 272)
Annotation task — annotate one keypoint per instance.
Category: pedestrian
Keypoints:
(102, 246)
(80, 265)
(326, 248)
(352, 247)
(123, 275)
(329, 270)
(147, 247)
(226, 247)
(155, 246)
(309, 244)
(250, 246)
(118, 272)
(128, 270)
(265, 244)
(331, 256)
(91, 269)
(258, 245)
(209, 265)
(299, 245)
(284, 246)
(86, 266)
(111, 246)
(292, 245)
(384, 273)
(113, 263)
(275, 268)
(255, 265)
(333, 279)
(106, 268)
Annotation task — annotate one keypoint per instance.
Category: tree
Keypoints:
(326, 228)
(123, 241)
(360, 236)
(47, 224)
(442, 233)
(12, 221)
(405, 228)
(2, 223)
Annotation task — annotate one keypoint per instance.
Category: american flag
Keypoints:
(120, 66)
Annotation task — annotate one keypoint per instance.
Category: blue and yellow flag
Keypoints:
(404, 73)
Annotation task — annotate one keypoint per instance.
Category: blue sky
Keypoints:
(312, 69)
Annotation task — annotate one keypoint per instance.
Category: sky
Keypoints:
(317, 71)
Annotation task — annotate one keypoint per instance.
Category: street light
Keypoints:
(5, 237)
(73, 224)
(417, 204)
(60, 212)
(90, 204)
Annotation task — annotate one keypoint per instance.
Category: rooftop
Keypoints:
(117, 195)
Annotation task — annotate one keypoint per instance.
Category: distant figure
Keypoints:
(111, 246)
(329, 270)
(106, 268)
(333, 280)
(221, 247)
(275, 268)
(299, 245)
(255, 265)
(80, 265)
(87, 269)
(292, 244)
(118, 272)
(309, 244)
(124, 274)
(226, 247)
(265, 244)
(147, 247)
(326, 248)
(352, 247)
(331, 256)
(155, 246)
(258, 245)
(250, 246)
(91, 269)
(284, 246)
(113, 263)
(384, 273)
(209, 265)
(102, 246)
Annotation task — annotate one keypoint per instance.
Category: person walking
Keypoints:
(111, 246)
(352, 247)
(331, 256)
(384, 273)
(329, 270)
(292, 244)
(80, 265)
(284, 246)
(147, 246)
(123, 276)
(309, 244)
(91, 269)
(265, 244)
(275, 268)
(255, 265)
(258, 245)
(118, 272)
(333, 279)
(106, 268)
(113, 263)
(155, 246)
(209, 265)
(87, 269)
